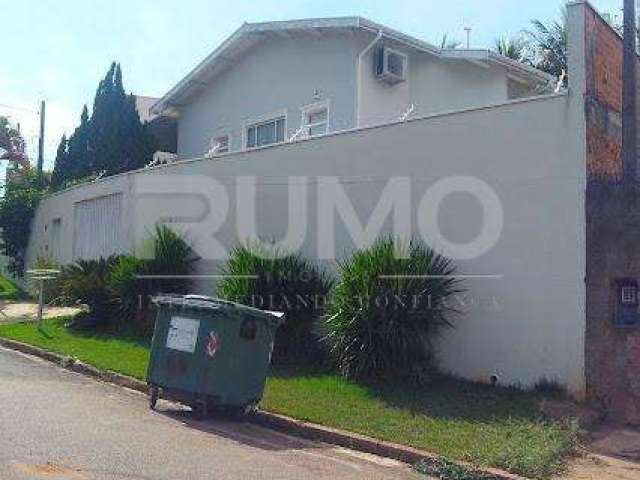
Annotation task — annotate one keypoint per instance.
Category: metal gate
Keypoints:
(97, 228)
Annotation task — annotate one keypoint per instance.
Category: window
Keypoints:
(316, 119)
(626, 313)
(265, 133)
(628, 294)
(220, 144)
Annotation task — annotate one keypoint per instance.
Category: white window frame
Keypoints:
(261, 120)
(217, 137)
(628, 294)
(311, 109)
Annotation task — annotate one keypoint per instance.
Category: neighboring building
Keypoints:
(163, 128)
(269, 82)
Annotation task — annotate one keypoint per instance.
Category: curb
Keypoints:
(269, 420)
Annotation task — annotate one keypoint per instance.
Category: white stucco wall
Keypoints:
(529, 321)
(433, 86)
(280, 74)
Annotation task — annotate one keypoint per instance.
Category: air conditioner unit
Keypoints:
(391, 65)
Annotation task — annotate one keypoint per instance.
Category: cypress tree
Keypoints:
(112, 141)
(61, 168)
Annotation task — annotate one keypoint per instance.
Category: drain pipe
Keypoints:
(359, 74)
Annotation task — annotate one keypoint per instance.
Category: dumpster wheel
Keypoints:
(199, 410)
(154, 394)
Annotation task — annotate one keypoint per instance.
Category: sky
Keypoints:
(58, 50)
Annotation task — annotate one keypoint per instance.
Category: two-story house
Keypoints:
(277, 81)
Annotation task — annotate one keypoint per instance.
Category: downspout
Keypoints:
(359, 74)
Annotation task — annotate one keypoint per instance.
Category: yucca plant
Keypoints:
(84, 282)
(272, 279)
(125, 288)
(390, 302)
(165, 268)
(167, 254)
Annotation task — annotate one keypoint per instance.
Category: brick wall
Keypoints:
(604, 97)
(612, 356)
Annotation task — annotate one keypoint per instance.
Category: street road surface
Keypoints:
(56, 424)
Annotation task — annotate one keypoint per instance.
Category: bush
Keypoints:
(170, 255)
(383, 313)
(166, 254)
(85, 282)
(8, 290)
(283, 282)
(124, 287)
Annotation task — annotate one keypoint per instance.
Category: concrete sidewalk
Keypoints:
(16, 312)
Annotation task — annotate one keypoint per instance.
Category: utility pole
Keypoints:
(629, 120)
(41, 139)
(468, 31)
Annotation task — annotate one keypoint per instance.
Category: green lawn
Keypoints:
(8, 291)
(462, 421)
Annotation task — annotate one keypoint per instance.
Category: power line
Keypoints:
(11, 107)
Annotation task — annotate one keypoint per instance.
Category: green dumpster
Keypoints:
(210, 353)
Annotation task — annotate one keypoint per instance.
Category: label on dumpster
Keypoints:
(183, 334)
(213, 344)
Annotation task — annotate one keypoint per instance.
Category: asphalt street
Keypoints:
(56, 424)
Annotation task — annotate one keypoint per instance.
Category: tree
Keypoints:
(62, 164)
(549, 45)
(447, 42)
(120, 142)
(111, 141)
(12, 145)
(17, 208)
(515, 48)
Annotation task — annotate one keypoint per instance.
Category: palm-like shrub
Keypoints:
(167, 254)
(84, 282)
(132, 280)
(390, 302)
(125, 288)
(277, 280)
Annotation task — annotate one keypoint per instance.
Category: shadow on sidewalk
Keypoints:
(243, 431)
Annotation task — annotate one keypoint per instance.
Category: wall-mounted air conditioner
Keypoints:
(391, 65)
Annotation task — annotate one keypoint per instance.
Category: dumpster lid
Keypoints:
(212, 303)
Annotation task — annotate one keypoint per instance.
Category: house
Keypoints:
(275, 81)
(514, 180)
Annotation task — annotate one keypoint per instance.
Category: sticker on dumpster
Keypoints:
(183, 334)
(213, 343)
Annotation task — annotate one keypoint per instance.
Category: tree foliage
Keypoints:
(17, 208)
(389, 303)
(549, 45)
(515, 48)
(12, 144)
(273, 279)
(111, 141)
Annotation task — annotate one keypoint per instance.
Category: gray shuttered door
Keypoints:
(98, 227)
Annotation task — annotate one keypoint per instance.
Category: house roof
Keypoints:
(250, 34)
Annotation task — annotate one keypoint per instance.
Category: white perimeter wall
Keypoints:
(528, 324)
